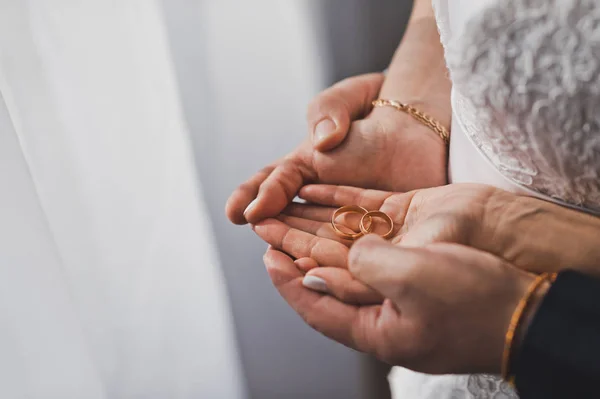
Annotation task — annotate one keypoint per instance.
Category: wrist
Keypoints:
(559, 238)
(520, 320)
(418, 75)
(424, 154)
(436, 106)
(396, 122)
(527, 318)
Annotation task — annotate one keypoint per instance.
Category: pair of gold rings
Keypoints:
(366, 222)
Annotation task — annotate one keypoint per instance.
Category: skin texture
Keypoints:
(436, 318)
(351, 144)
(393, 151)
(390, 149)
(478, 216)
(416, 300)
(426, 299)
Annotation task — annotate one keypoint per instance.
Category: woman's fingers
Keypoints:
(342, 285)
(394, 205)
(244, 195)
(356, 327)
(308, 211)
(306, 264)
(320, 229)
(269, 192)
(347, 223)
(300, 244)
(331, 113)
(336, 196)
(316, 220)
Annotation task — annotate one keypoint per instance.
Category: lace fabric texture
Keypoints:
(483, 386)
(407, 384)
(526, 91)
(526, 77)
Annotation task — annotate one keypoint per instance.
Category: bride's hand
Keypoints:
(447, 308)
(534, 235)
(387, 150)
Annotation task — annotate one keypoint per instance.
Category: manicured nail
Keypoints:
(316, 284)
(324, 129)
(249, 207)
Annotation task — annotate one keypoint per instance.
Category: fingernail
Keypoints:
(324, 129)
(316, 284)
(250, 206)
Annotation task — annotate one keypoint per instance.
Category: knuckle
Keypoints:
(327, 103)
(326, 231)
(248, 187)
(267, 170)
(355, 258)
(313, 247)
(352, 82)
(286, 240)
(319, 104)
(286, 182)
(287, 178)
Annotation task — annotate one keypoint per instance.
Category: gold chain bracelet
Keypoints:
(422, 117)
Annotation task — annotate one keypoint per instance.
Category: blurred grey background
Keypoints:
(247, 70)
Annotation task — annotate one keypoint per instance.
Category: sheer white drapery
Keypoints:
(110, 285)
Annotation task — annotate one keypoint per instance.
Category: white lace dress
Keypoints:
(526, 102)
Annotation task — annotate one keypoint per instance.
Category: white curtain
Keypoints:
(109, 282)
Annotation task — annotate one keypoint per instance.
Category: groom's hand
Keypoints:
(447, 308)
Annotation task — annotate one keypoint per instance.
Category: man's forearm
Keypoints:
(539, 236)
(418, 74)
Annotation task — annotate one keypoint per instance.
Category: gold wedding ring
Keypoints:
(376, 214)
(348, 209)
(367, 217)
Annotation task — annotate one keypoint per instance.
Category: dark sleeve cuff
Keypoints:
(560, 355)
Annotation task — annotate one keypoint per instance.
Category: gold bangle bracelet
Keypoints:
(516, 320)
(422, 117)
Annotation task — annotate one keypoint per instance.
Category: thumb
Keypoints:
(383, 266)
(332, 112)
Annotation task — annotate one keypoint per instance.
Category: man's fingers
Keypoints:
(387, 268)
